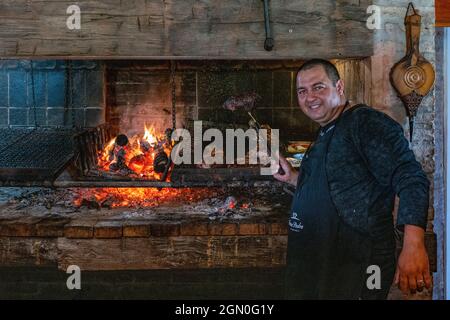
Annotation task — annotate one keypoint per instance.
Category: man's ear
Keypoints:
(340, 87)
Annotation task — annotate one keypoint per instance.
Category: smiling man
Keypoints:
(341, 225)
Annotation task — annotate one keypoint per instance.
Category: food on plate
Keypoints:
(294, 162)
(297, 146)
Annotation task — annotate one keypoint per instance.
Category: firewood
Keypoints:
(107, 203)
(91, 203)
(121, 140)
(145, 146)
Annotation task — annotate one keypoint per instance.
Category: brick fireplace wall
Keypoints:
(188, 284)
(139, 92)
(129, 94)
(52, 108)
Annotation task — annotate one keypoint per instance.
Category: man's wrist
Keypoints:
(413, 236)
(294, 178)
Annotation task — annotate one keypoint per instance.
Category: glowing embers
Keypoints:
(139, 197)
(145, 156)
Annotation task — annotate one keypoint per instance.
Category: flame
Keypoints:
(150, 135)
(141, 197)
(137, 156)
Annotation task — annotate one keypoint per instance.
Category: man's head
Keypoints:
(320, 90)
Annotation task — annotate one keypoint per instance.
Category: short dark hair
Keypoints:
(330, 69)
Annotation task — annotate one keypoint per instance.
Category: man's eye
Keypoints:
(302, 92)
(318, 88)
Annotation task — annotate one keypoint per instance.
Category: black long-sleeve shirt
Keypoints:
(368, 162)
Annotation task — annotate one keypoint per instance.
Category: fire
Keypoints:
(143, 156)
(140, 197)
(150, 135)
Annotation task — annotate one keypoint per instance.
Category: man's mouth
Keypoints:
(314, 106)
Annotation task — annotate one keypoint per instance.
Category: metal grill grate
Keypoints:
(10, 136)
(34, 154)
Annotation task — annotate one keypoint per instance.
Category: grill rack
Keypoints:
(34, 156)
(67, 158)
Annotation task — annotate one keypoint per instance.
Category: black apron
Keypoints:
(327, 259)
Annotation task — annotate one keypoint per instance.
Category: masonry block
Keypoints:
(55, 116)
(94, 117)
(3, 89)
(18, 89)
(18, 117)
(37, 97)
(4, 117)
(56, 86)
(282, 89)
(94, 89)
(37, 116)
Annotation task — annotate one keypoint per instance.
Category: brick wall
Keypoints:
(135, 93)
(52, 104)
(50, 283)
(139, 92)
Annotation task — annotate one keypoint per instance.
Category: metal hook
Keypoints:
(410, 5)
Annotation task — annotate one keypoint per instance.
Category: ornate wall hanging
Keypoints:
(413, 76)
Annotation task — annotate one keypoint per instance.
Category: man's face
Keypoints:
(317, 96)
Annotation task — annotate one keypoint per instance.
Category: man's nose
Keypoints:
(310, 96)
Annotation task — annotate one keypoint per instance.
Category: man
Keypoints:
(341, 219)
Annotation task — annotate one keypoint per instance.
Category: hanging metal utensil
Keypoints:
(174, 97)
(69, 95)
(269, 42)
(33, 93)
(413, 76)
(164, 161)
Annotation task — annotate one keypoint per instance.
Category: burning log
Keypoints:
(138, 163)
(122, 140)
(145, 146)
(160, 162)
(91, 203)
(94, 203)
(230, 203)
(120, 160)
(108, 203)
(145, 156)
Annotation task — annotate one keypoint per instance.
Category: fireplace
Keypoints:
(103, 206)
(197, 217)
(82, 126)
(115, 131)
(77, 210)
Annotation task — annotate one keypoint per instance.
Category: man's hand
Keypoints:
(290, 174)
(413, 270)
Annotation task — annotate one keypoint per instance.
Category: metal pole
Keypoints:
(269, 42)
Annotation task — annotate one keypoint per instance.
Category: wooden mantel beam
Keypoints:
(180, 29)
